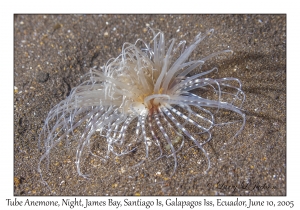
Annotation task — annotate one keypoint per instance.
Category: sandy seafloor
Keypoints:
(52, 52)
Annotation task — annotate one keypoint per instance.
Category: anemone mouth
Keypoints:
(145, 96)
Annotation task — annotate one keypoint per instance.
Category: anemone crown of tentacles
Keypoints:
(152, 89)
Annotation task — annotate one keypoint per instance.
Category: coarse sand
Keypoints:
(53, 52)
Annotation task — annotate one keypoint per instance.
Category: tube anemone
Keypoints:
(147, 89)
